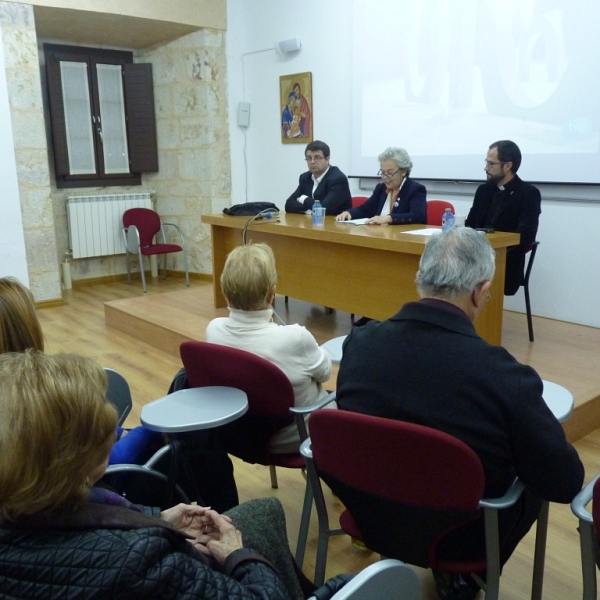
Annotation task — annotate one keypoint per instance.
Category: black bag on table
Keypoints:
(250, 209)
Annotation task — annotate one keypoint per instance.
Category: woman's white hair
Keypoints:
(454, 263)
(399, 156)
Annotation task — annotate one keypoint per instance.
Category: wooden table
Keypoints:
(365, 270)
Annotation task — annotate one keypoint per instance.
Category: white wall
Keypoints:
(12, 242)
(565, 283)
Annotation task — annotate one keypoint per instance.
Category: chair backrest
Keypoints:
(385, 580)
(358, 200)
(407, 478)
(270, 393)
(118, 393)
(435, 211)
(147, 222)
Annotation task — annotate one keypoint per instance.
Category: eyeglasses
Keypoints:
(387, 174)
(491, 163)
(314, 158)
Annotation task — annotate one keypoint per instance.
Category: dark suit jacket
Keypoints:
(333, 192)
(427, 365)
(410, 207)
(520, 214)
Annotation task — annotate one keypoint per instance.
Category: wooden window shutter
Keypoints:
(57, 115)
(141, 119)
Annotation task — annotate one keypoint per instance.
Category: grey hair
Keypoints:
(454, 263)
(399, 156)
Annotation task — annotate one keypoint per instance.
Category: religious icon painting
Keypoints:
(295, 93)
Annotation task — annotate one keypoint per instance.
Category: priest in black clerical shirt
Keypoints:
(507, 203)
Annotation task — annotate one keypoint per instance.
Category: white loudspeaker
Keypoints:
(290, 45)
(244, 114)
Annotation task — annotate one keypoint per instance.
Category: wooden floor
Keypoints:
(563, 352)
(79, 326)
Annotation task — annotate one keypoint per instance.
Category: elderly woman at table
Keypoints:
(248, 282)
(61, 537)
(399, 200)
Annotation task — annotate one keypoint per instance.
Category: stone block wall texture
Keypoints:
(190, 92)
(31, 153)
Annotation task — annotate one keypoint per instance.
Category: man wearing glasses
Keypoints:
(506, 203)
(321, 182)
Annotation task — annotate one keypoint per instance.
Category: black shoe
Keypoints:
(455, 586)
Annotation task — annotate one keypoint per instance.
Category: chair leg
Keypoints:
(304, 524)
(539, 557)
(588, 543)
(185, 264)
(165, 266)
(492, 551)
(273, 473)
(142, 271)
(124, 236)
(528, 309)
(286, 299)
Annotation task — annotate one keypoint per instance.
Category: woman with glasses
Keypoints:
(398, 200)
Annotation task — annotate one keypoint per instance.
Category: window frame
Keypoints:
(140, 119)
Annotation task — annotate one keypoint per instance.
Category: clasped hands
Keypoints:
(214, 534)
(378, 220)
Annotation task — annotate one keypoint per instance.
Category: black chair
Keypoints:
(533, 249)
(143, 484)
(118, 393)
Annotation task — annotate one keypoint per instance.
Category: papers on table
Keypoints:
(354, 222)
(424, 231)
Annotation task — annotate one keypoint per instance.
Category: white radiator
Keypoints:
(95, 222)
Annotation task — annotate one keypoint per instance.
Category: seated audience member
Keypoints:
(248, 282)
(506, 203)
(427, 365)
(61, 537)
(20, 329)
(399, 200)
(321, 182)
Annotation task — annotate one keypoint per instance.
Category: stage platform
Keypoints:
(564, 353)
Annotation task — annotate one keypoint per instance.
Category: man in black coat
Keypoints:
(507, 203)
(321, 182)
(427, 365)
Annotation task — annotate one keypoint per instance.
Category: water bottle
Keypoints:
(447, 220)
(318, 213)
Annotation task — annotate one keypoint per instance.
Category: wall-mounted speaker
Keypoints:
(287, 46)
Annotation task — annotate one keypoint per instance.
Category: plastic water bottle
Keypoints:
(447, 220)
(318, 213)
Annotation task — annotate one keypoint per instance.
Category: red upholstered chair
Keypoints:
(589, 525)
(435, 210)
(358, 200)
(140, 225)
(270, 407)
(404, 489)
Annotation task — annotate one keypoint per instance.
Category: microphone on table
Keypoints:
(267, 213)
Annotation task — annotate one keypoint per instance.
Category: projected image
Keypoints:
(447, 78)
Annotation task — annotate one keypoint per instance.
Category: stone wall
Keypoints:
(190, 94)
(25, 100)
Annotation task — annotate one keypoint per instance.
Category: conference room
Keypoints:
(382, 74)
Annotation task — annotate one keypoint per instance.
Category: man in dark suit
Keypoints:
(427, 365)
(321, 182)
(507, 203)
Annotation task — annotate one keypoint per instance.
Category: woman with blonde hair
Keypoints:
(61, 537)
(248, 282)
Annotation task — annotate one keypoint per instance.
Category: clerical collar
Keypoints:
(501, 188)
